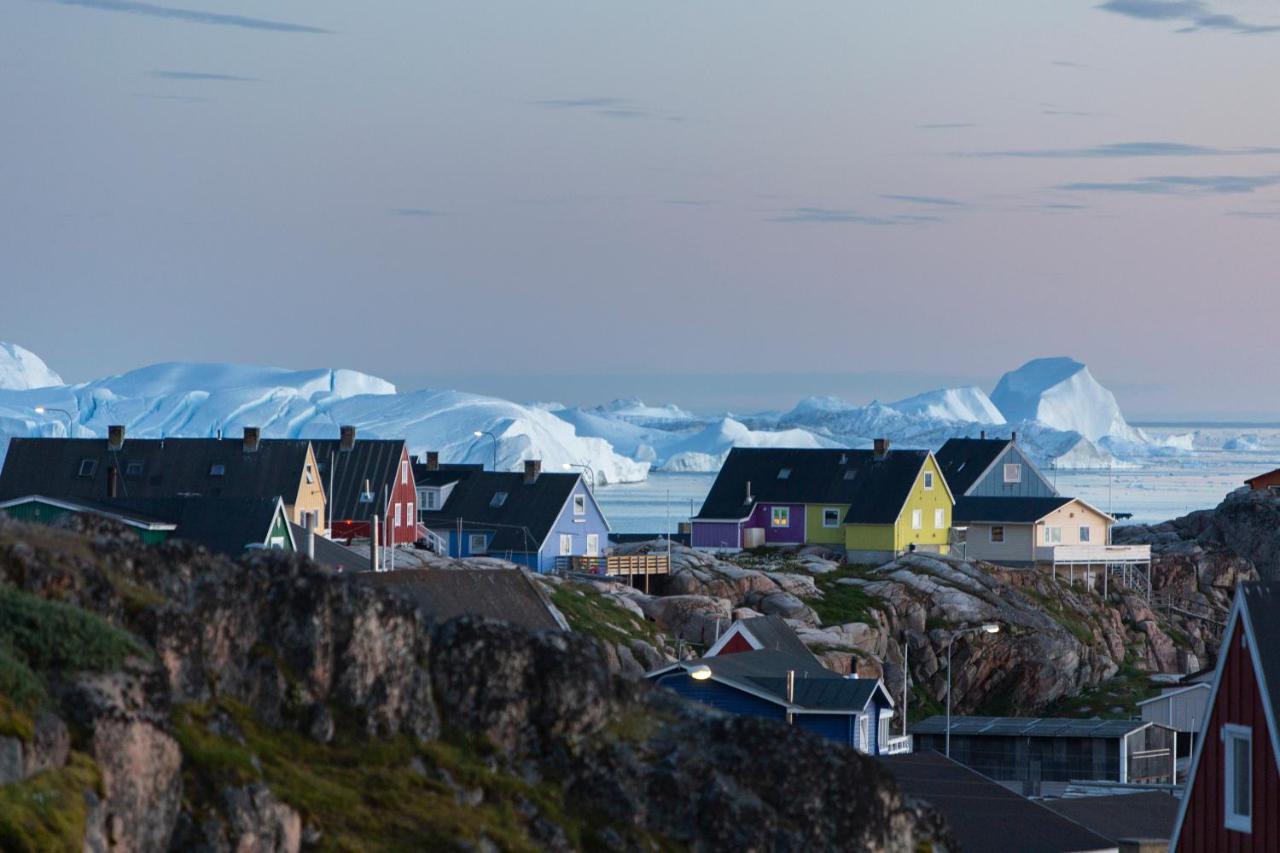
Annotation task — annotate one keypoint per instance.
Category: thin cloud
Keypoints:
(191, 16)
(200, 76)
(1117, 150)
(415, 211)
(609, 107)
(1180, 185)
(1195, 14)
(848, 217)
(950, 125)
(936, 201)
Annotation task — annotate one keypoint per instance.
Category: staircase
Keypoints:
(1171, 603)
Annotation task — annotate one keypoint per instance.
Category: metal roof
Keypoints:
(1028, 727)
(443, 594)
(816, 687)
(1005, 510)
(374, 462)
(963, 460)
(520, 521)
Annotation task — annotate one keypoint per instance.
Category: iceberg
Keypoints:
(1062, 394)
(970, 404)
(22, 370)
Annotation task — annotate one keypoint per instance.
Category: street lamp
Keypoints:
(41, 410)
(481, 434)
(592, 474)
(701, 672)
(985, 628)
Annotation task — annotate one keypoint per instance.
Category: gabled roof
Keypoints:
(1177, 691)
(370, 460)
(764, 674)
(223, 525)
(116, 513)
(335, 555)
(1028, 727)
(1268, 475)
(765, 632)
(520, 521)
(444, 473)
(985, 816)
(874, 489)
(1005, 510)
(443, 594)
(964, 460)
(153, 468)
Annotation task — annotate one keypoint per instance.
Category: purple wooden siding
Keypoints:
(716, 534)
(762, 516)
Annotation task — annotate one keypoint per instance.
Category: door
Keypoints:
(593, 544)
(566, 544)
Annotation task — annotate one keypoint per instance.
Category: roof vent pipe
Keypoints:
(791, 686)
(749, 496)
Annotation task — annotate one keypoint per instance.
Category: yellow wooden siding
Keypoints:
(815, 533)
(310, 496)
(927, 501)
(868, 537)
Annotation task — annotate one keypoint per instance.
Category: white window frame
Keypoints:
(917, 519)
(830, 509)
(404, 473)
(928, 481)
(566, 544)
(579, 504)
(1052, 534)
(309, 474)
(991, 534)
(408, 512)
(398, 521)
(939, 519)
(277, 543)
(1086, 534)
(1012, 472)
(593, 544)
(785, 517)
(472, 538)
(1231, 734)
(429, 499)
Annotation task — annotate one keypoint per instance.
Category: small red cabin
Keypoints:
(1232, 801)
(1268, 482)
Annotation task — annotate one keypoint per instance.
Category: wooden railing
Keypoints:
(629, 564)
(899, 745)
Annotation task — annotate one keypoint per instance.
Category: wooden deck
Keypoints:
(631, 565)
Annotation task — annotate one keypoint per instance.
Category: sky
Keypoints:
(719, 204)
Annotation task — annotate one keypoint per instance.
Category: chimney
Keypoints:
(532, 468)
(115, 437)
(881, 449)
(1013, 436)
(348, 441)
(982, 434)
(433, 460)
(252, 435)
(113, 481)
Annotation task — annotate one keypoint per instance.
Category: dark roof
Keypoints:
(370, 460)
(774, 633)
(223, 525)
(1026, 727)
(335, 555)
(963, 460)
(79, 505)
(443, 594)
(875, 490)
(1144, 814)
(816, 686)
(525, 515)
(444, 473)
(1262, 603)
(1268, 475)
(153, 468)
(1008, 510)
(983, 814)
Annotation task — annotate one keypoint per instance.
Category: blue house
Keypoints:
(991, 468)
(789, 688)
(528, 517)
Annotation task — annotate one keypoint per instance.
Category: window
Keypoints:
(593, 544)
(309, 475)
(277, 542)
(477, 544)
(1238, 784)
(928, 481)
(404, 473)
(88, 467)
(397, 514)
(939, 519)
(1084, 534)
(784, 473)
(133, 469)
(217, 469)
(566, 544)
(408, 512)
(1052, 535)
(1012, 472)
(830, 517)
(851, 473)
(917, 519)
(579, 504)
(997, 534)
(499, 498)
(781, 516)
(429, 499)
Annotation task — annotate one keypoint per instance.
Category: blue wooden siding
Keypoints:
(717, 534)
(723, 697)
(576, 526)
(841, 728)
(1033, 485)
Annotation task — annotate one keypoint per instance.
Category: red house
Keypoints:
(1232, 801)
(364, 478)
(757, 633)
(1268, 482)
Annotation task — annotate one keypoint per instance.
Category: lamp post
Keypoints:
(986, 628)
(42, 410)
(590, 473)
(480, 433)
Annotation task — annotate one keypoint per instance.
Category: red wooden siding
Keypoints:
(737, 643)
(1238, 701)
(404, 494)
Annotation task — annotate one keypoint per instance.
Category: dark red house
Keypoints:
(368, 477)
(759, 633)
(1233, 796)
(1268, 482)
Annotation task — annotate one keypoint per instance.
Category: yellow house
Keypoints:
(902, 504)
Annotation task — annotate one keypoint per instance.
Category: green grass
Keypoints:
(843, 603)
(362, 793)
(1124, 691)
(47, 812)
(14, 720)
(591, 613)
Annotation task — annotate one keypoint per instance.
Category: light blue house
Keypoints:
(991, 468)
(530, 518)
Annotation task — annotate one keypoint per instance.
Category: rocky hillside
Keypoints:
(157, 698)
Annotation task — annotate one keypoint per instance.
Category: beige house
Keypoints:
(1054, 531)
(310, 497)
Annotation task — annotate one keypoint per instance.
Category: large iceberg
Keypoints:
(967, 404)
(21, 369)
(1062, 394)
